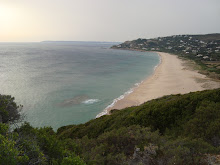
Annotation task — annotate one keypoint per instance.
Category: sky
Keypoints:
(105, 20)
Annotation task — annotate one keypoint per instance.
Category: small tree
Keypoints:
(9, 110)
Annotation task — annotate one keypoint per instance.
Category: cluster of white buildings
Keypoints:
(178, 43)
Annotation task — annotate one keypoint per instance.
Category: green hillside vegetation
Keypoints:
(170, 114)
(204, 50)
(175, 129)
(208, 37)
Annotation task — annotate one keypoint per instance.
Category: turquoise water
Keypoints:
(61, 83)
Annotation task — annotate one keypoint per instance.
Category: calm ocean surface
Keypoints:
(61, 83)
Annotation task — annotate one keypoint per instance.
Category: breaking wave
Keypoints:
(105, 111)
(90, 101)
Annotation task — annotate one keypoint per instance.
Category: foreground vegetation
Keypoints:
(175, 129)
(28, 145)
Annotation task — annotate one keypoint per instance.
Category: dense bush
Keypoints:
(28, 145)
(169, 115)
(136, 145)
(9, 110)
(175, 129)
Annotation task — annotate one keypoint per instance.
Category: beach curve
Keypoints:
(170, 77)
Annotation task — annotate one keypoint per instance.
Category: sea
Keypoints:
(63, 83)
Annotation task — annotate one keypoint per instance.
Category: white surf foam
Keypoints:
(159, 62)
(90, 101)
(105, 111)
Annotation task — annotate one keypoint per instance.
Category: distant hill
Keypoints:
(203, 49)
(208, 37)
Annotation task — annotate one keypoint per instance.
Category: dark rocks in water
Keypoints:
(73, 101)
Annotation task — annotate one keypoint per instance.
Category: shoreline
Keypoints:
(107, 110)
(171, 76)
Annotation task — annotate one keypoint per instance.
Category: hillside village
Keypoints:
(203, 47)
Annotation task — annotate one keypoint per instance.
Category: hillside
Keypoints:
(186, 124)
(175, 129)
(208, 37)
(171, 113)
(203, 49)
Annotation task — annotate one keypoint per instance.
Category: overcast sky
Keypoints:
(105, 20)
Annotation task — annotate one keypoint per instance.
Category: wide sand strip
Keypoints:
(170, 77)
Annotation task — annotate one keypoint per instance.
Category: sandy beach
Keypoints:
(172, 76)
